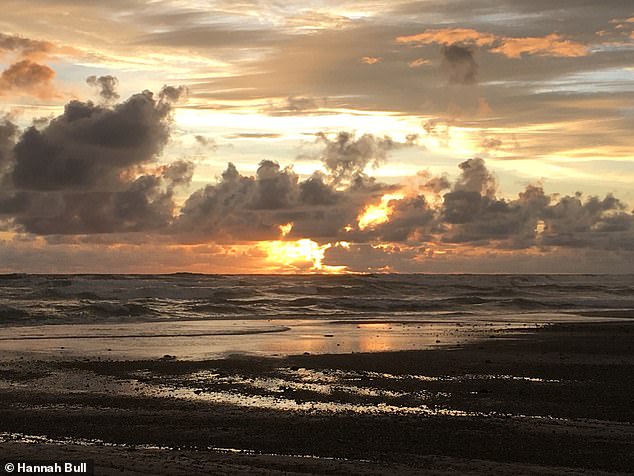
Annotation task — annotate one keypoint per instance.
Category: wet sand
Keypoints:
(557, 399)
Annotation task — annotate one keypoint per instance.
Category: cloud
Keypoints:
(92, 170)
(172, 94)
(25, 47)
(431, 127)
(460, 64)
(241, 208)
(449, 36)
(512, 47)
(207, 142)
(418, 62)
(89, 170)
(471, 214)
(534, 219)
(491, 143)
(12, 203)
(227, 210)
(28, 77)
(295, 105)
(549, 45)
(138, 205)
(276, 188)
(8, 134)
(89, 144)
(106, 86)
(214, 36)
(371, 60)
(475, 177)
(408, 218)
(316, 191)
(178, 173)
(25, 75)
(346, 157)
(254, 135)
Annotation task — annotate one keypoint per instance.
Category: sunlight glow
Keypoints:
(301, 255)
(285, 229)
(376, 214)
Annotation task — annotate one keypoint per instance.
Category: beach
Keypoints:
(546, 399)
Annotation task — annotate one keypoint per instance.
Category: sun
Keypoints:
(303, 255)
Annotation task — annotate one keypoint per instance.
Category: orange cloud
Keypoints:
(511, 47)
(417, 63)
(370, 60)
(550, 45)
(449, 36)
(28, 77)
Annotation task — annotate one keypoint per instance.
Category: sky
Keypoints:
(317, 136)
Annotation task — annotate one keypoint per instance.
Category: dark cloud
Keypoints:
(275, 188)
(315, 190)
(475, 177)
(460, 64)
(460, 206)
(239, 206)
(252, 208)
(40, 122)
(437, 184)
(534, 218)
(172, 94)
(12, 203)
(28, 77)
(206, 142)
(229, 212)
(106, 86)
(90, 145)
(410, 221)
(220, 211)
(471, 213)
(140, 205)
(346, 157)
(595, 222)
(8, 134)
(432, 128)
(89, 170)
(178, 174)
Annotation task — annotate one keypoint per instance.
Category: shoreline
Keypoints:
(551, 400)
(200, 339)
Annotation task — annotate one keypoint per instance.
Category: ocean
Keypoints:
(198, 316)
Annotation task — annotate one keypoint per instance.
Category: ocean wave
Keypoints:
(9, 313)
(102, 298)
(106, 308)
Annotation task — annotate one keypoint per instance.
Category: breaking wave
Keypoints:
(55, 299)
